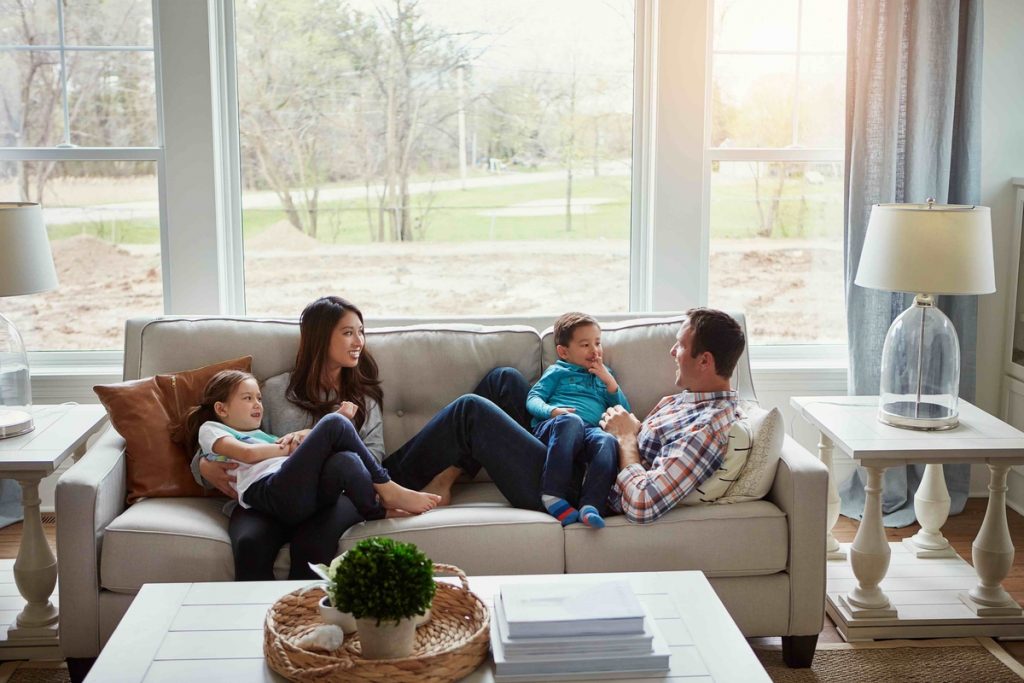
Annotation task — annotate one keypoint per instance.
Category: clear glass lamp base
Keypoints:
(15, 423)
(923, 416)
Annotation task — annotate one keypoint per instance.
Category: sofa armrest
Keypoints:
(800, 490)
(88, 497)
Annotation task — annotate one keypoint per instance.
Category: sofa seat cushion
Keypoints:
(720, 540)
(163, 540)
(480, 539)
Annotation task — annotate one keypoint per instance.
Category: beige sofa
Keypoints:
(765, 559)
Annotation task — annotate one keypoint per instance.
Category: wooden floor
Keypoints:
(959, 529)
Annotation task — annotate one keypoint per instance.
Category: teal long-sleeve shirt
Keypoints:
(567, 385)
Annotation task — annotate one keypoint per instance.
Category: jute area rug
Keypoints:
(945, 660)
(34, 672)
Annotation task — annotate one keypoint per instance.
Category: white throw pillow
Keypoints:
(711, 489)
(769, 431)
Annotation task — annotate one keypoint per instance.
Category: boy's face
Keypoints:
(584, 348)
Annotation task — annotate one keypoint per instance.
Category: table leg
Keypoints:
(931, 505)
(35, 570)
(869, 555)
(825, 452)
(992, 553)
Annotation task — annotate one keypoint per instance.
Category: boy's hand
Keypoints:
(555, 412)
(348, 409)
(601, 371)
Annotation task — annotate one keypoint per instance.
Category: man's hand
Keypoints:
(620, 423)
(220, 475)
(555, 412)
(348, 409)
(292, 440)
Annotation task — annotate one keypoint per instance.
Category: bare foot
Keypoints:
(390, 514)
(441, 485)
(394, 496)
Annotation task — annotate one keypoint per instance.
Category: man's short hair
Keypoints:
(719, 334)
(567, 324)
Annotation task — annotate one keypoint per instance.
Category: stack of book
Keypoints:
(573, 630)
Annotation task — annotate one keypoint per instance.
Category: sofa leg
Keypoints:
(78, 667)
(798, 651)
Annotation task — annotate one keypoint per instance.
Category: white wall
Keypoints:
(1002, 157)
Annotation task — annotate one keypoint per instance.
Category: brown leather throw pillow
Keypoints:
(143, 412)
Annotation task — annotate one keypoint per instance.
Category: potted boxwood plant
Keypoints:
(385, 584)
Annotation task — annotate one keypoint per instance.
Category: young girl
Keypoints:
(286, 479)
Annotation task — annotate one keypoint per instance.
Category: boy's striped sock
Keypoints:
(591, 517)
(560, 509)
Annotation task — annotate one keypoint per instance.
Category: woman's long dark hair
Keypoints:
(356, 384)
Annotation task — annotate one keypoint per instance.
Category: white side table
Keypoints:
(61, 431)
(982, 607)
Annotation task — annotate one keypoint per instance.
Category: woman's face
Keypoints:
(347, 342)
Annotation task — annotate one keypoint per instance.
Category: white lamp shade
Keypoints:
(928, 249)
(26, 264)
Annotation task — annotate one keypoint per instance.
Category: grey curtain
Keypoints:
(913, 131)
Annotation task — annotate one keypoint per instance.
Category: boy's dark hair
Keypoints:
(567, 324)
(719, 334)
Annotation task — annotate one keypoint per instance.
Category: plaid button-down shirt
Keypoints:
(682, 442)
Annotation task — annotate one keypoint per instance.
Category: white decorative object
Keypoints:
(733, 464)
(26, 267)
(925, 249)
(327, 638)
(768, 432)
(334, 616)
(386, 640)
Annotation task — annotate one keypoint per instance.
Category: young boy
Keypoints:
(566, 405)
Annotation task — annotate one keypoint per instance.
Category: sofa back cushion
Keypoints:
(422, 367)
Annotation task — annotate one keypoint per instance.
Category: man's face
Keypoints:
(688, 368)
(584, 348)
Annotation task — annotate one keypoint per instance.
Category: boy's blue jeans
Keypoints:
(572, 443)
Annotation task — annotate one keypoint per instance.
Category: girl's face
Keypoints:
(347, 342)
(244, 408)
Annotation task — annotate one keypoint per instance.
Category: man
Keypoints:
(684, 438)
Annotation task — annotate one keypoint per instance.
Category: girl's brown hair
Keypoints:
(218, 389)
(306, 388)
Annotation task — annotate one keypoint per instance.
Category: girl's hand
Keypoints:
(292, 440)
(220, 475)
(348, 409)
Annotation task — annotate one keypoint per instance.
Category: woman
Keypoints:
(485, 429)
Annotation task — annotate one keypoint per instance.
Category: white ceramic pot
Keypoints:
(387, 640)
(332, 615)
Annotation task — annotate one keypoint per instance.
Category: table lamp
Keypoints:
(925, 249)
(26, 267)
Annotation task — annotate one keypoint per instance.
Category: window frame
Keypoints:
(199, 175)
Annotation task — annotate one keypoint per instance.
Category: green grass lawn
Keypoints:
(806, 210)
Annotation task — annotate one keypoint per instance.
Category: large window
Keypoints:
(775, 166)
(78, 134)
(436, 158)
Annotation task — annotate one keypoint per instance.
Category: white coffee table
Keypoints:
(214, 631)
(60, 432)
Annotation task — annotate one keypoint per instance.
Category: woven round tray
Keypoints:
(448, 647)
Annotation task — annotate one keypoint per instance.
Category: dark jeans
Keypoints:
(256, 537)
(573, 444)
(285, 494)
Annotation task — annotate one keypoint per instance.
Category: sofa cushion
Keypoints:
(143, 411)
(755, 480)
(720, 540)
(166, 540)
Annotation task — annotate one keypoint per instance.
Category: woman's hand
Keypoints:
(292, 440)
(220, 475)
(348, 409)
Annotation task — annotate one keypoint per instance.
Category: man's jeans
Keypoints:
(573, 444)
